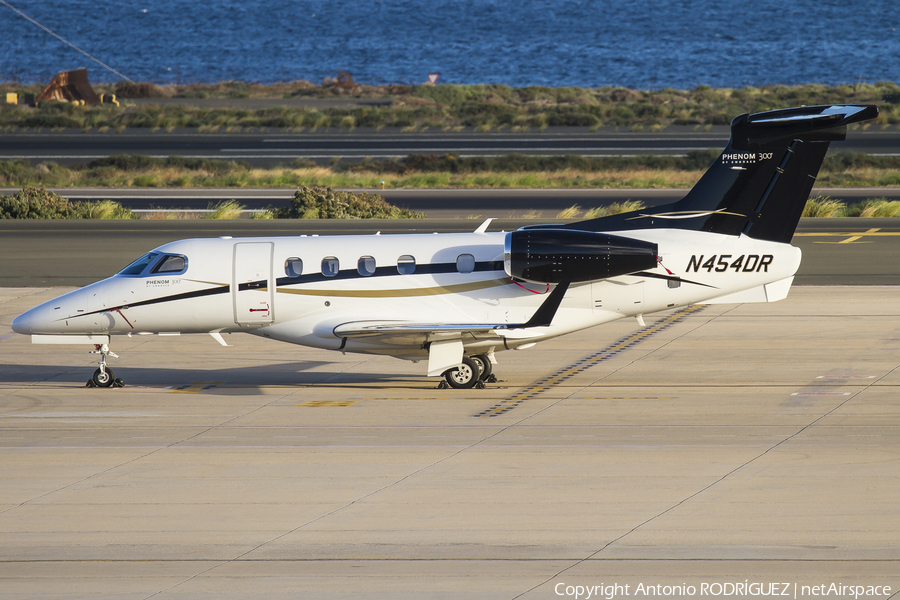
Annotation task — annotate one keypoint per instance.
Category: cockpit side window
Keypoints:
(173, 263)
(138, 266)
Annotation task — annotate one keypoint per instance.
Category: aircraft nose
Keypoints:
(53, 317)
(23, 323)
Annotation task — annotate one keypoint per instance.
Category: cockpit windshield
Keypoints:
(138, 266)
(154, 263)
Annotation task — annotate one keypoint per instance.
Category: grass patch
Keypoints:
(824, 206)
(875, 207)
(226, 209)
(107, 209)
(614, 209)
(569, 213)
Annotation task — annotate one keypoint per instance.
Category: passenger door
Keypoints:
(253, 285)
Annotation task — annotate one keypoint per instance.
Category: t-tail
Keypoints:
(760, 184)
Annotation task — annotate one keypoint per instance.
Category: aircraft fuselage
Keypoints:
(306, 289)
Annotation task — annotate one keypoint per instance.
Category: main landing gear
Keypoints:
(104, 376)
(474, 371)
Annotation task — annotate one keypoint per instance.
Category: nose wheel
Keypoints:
(104, 376)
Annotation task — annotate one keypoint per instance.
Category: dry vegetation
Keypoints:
(484, 107)
(839, 169)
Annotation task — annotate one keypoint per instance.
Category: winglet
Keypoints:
(483, 227)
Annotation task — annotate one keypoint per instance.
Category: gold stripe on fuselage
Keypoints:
(403, 293)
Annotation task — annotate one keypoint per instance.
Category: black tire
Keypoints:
(485, 365)
(465, 376)
(105, 378)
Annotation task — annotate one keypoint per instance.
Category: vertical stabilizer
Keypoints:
(760, 183)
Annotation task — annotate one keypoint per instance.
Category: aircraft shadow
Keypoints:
(312, 373)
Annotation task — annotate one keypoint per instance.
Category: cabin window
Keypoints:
(138, 266)
(406, 265)
(293, 267)
(366, 266)
(170, 264)
(330, 266)
(465, 263)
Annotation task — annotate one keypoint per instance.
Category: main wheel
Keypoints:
(104, 378)
(464, 376)
(484, 364)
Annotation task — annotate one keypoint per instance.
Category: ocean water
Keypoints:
(636, 44)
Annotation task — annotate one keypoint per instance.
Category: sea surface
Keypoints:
(637, 44)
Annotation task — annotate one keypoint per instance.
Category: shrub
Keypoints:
(572, 120)
(36, 203)
(39, 203)
(140, 90)
(136, 162)
(327, 203)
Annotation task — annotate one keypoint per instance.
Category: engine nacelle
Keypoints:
(555, 255)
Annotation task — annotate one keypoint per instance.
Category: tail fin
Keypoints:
(760, 183)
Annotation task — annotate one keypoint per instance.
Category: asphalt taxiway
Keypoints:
(727, 444)
(40, 252)
(269, 148)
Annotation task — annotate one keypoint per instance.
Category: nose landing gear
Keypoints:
(104, 376)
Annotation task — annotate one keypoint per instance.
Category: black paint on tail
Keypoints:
(761, 182)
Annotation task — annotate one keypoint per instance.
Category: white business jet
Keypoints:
(455, 300)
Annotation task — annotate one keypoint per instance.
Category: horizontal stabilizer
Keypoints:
(810, 123)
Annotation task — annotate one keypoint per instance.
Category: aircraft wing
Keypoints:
(395, 331)
(445, 342)
(359, 329)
